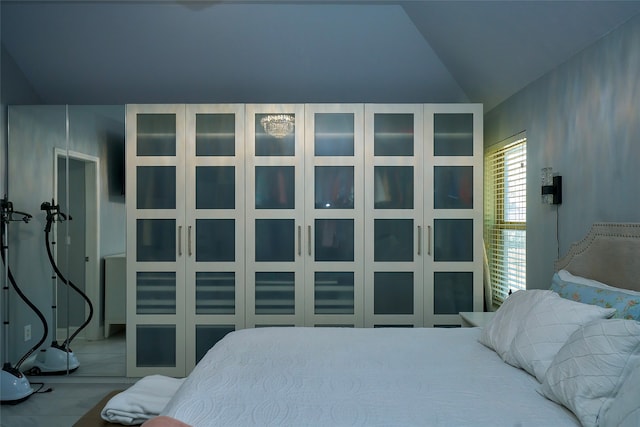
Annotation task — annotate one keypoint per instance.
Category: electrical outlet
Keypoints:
(27, 332)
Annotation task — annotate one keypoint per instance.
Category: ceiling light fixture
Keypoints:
(278, 125)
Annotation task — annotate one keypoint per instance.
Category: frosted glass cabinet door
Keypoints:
(156, 292)
(207, 336)
(274, 220)
(393, 187)
(215, 187)
(156, 134)
(394, 215)
(275, 240)
(334, 215)
(155, 227)
(453, 267)
(453, 187)
(156, 346)
(453, 133)
(275, 187)
(214, 228)
(216, 292)
(334, 187)
(156, 187)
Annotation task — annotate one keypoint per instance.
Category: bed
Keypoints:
(519, 370)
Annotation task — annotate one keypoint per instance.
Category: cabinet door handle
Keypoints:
(419, 240)
(429, 240)
(179, 240)
(309, 238)
(189, 238)
(299, 241)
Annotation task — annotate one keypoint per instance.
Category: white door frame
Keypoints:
(93, 331)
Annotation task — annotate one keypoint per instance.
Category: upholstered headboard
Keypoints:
(610, 253)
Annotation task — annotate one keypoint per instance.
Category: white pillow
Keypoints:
(624, 409)
(500, 331)
(546, 328)
(590, 368)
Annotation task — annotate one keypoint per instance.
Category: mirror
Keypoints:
(66, 168)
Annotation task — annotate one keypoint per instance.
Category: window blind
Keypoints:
(505, 216)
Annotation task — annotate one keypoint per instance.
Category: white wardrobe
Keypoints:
(257, 215)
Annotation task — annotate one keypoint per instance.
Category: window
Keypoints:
(505, 216)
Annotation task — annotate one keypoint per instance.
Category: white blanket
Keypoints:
(369, 377)
(143, 400)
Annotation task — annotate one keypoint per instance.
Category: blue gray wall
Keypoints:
(14, 89)
(583, 120)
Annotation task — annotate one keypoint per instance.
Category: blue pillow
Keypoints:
(627, 305)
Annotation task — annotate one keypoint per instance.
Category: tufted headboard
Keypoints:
(609, 253)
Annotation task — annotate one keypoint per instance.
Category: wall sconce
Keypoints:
(551, 187)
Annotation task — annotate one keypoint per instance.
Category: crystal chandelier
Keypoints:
(278, 125)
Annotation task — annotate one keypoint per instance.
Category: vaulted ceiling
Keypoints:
(117, 52)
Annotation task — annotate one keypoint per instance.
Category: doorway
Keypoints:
(79, 258)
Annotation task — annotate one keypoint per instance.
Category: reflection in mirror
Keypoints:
(72, 157)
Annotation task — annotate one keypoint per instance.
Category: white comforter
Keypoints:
(360, 377)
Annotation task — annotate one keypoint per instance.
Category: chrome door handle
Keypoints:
(309, 238)
(419, 239)
(179, 240)
(189, 239)
(299, 241)
(429, 240)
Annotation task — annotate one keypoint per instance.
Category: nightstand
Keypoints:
(472, 319)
